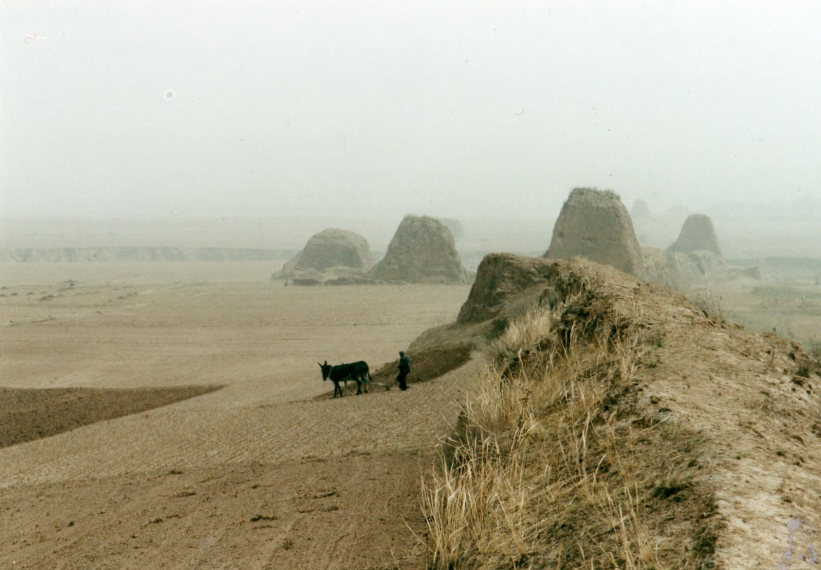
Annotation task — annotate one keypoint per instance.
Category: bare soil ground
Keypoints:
(26, 415)
(790, 308)
(754, 401)
(755, 398)
(258, 474)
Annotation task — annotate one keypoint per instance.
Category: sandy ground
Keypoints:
(757, 411)
(790, 308)
(255, 475)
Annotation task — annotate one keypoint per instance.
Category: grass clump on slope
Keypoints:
(554, 464)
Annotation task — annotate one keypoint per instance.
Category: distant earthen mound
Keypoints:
(422, 251)
(681, 270)
(330, 253)
(694, 259)
(697, 234)
(640, 209)
(595, 224)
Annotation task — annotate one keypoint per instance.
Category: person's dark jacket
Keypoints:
(404, 365)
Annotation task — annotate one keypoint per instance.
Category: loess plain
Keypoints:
(255, 470)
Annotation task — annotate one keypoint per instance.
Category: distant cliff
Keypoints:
(143, 254)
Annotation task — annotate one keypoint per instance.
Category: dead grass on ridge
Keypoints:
(553, 465)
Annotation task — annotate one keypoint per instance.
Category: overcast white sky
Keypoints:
(452, 108)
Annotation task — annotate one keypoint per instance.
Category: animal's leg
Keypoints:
(358, 387)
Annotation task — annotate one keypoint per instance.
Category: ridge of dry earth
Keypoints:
(750, 403)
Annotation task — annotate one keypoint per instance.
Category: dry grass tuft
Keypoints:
(553, 466)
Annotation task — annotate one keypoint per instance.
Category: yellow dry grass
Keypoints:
(550, 466)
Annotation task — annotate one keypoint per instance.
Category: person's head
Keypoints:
(401, 353)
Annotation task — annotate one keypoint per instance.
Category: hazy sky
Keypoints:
(453, 108)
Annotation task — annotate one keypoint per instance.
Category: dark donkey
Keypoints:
(357, 371)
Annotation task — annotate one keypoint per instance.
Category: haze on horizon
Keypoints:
(364, 108)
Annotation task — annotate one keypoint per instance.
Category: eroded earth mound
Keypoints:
(694, 259)
(698, 437)
(329, 255)
(640, 209)
(697, 234)
(682, 270)
(595, 224)
(422, 251)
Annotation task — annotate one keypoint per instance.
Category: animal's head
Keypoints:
(326, 369)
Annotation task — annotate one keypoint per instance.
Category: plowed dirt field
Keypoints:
(256, 474)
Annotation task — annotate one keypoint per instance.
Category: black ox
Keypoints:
(356, 371)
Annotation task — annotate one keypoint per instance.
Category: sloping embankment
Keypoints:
(622, 427)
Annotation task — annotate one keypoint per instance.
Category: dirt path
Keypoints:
(256, 475)
(748, 397)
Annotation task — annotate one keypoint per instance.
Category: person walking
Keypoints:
(404, 370)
